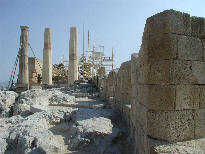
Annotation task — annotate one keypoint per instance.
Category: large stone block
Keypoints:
(198, 27)
(159, 72)
(141, 140)
(200, 123)
(133, 114)
(187, 97)
(169, 21)
(189, 48)
(198, 70)
(161, 46)
(202, 97)
(156, 97)
(141, 115)
(172, 72)
(203, 48)
(182, 72)
(189, 72)
(171, 126)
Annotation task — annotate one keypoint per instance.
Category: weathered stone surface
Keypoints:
(133, 114)
(141, 140)
(171, 126)
(32, 134)
(189, 48)
(156, 97)
(191, 147)
(57, 129)
(160, 72)
(141, 116)
(35, 70)
(175, 72)
(182, 72)
(73, 56)
(23, 76)
(202, 97)
(187, 97)
(172, 72)
(47, 58)
(198, 27)
(198, 69)
(167, 82)
(200, 123)
(133, 71)
(203, 49)
(161, 47)
(7, 100)
(169, 21)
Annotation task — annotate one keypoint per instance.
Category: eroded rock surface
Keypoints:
(7, 99)
(54, 121)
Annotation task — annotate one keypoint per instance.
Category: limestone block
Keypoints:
(202, 96)
(171, 126)
(142, 73)
(203, 48)
(159, 72)
(156, 97)
(199, 123)
(172, 72)
(161, 46)
(187, 97)
(189, 48)
(183, 72)
(198, 27)
(133, 114)
(141, 116)
(169, 21)
(141, 140)
(198, 70)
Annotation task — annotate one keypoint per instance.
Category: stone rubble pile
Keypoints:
(54, 121)
(7, 99)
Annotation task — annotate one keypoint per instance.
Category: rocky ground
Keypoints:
(69, 120)
(196, 146)
(59, 120)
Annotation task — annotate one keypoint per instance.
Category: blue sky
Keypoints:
(112, 23)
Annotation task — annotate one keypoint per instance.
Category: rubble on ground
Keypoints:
(55, 121)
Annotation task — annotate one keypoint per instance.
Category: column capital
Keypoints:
(24, 27)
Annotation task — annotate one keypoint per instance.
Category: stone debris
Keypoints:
(196, 146)
(7, 99)
(54, 121)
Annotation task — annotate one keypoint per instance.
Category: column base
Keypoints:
(20, 87)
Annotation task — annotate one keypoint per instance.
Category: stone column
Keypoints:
(73, 56)
(23, 78)
(47, 58)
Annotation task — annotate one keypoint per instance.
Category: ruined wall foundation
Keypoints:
(164, 82)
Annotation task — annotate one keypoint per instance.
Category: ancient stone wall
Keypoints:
(165, 82)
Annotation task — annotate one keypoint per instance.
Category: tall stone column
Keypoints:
(47, 58)
(23, 76)
(73, 56)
